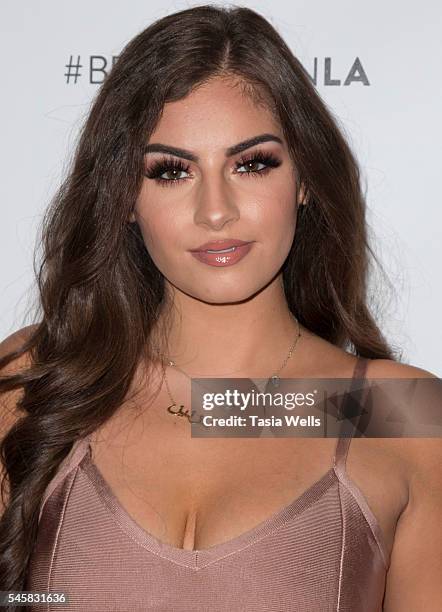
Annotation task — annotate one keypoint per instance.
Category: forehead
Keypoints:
(216, 114)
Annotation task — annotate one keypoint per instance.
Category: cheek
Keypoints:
(156, 225)
(279, 218)
(153, 232)
(158, 235)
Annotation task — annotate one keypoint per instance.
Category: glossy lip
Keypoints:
(224, 243)
(222, 260)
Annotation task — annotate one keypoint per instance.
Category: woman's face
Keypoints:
(217, 195)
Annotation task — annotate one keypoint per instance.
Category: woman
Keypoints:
(207, 129)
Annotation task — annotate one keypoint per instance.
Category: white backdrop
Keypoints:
(376, 65)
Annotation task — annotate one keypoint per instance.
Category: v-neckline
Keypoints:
(198, 558)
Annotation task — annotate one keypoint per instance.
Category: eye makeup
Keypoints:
(176, 166)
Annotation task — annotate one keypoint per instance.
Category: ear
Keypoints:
(303, 195)
(132, 218)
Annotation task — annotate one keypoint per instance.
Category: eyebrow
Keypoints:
(157, 147)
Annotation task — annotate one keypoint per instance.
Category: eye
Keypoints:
(173, 174)
(251, 163)
(168, 171)
(172, 167)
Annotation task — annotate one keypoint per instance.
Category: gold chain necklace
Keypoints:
(181, 411)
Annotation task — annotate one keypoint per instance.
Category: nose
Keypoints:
(216, 204)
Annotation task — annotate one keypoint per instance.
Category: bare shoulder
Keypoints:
(15, 341)
(9, 398)
(416, 564)
(422, 457)
(387, 368)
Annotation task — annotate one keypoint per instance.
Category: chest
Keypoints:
(195, 493)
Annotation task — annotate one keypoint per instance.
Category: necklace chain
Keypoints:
(181, 412)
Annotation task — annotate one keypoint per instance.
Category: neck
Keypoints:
(247, 338)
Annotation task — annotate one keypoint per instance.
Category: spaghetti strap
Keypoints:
(347, 428)
(72, 459)
(360, 368)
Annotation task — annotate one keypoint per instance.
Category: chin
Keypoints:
(217, 292)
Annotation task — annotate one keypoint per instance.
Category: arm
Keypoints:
(414, 578)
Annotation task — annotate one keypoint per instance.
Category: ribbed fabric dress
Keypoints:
(323, 552)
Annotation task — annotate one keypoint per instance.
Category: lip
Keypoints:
(224, 259)
(224, 243)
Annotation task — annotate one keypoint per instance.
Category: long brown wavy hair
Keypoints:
(100, 293)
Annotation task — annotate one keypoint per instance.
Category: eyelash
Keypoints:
(167, 164)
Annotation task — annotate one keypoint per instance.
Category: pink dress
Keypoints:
(323, 552)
